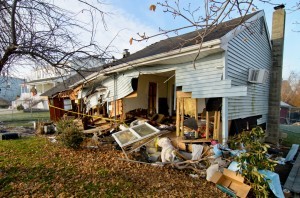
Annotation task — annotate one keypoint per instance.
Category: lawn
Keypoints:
(293, 134)
(35, 167)
(23, 119)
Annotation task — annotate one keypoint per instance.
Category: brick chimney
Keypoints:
(277, 40)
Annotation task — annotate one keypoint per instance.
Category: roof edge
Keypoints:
(234, 32)
(166, 55)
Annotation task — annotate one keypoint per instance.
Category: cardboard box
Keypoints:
(233, 181)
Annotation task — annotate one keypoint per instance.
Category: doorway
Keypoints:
(152, 98)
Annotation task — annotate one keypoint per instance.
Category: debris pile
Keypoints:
(154, 141)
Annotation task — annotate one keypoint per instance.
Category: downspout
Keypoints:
(278, 27)
(224, 103)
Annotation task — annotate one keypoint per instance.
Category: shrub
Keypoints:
(254, 159)
(69, 134)
(20, 107)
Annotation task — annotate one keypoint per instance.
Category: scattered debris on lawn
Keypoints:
(9, 132)
(154, 141)
(8, 136)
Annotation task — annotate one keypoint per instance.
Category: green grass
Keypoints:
(23, 119)
(33, 166)
(293, 134)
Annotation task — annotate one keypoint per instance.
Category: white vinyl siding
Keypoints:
(122, 83)
(249, 49)
(206, 79)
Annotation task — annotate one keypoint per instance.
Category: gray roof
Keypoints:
(184, 40)
(162, 46)
(44, 79)
(283, 104)
(65, 85)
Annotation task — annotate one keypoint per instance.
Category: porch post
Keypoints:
(225, 102)
(224, 120)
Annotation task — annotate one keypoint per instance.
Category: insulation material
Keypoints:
(168, 151)
(274, 182)
(293, 151)
(211, 171)
(197, 151)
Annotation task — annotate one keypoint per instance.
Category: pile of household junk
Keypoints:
(144, 143)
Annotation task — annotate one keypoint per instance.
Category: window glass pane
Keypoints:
(125, 136)
(67, 104)
(134, 134)
(143, 130)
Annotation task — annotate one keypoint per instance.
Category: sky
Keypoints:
(126, 18)
(140, 19)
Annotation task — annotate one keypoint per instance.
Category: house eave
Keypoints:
(191, 51)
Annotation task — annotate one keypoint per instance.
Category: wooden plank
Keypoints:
(293, 181)
(215, 125)
(180, 94)
(189, 106)
(177, 117)
(207, 125)
(182, 116)
(196, 140)
(196, 110)
(218, 126)
(132, 95)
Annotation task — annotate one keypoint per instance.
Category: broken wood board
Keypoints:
(100, 130)
(116, 108)
(180, 94)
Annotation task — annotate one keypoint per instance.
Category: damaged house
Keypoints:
(226, 84)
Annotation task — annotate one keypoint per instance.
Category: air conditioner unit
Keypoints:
(258, 75)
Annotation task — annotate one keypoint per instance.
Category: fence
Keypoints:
(13, 118)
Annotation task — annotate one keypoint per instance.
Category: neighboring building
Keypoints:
(9, 89)
(64, 96)
(285, 113)
(45, 78)
(230, 75)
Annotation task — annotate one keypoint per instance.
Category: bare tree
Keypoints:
(290, 89)
(203, 16)
(39, 31)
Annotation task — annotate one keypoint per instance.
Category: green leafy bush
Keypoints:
(69, 134)
(254, 159)
(20, 107)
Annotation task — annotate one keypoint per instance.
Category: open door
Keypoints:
(152, 98)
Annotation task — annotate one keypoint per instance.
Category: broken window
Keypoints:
(134, 134)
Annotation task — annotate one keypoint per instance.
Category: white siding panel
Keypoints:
(123, 84)
(249, 49)
(205, 80)
(232, 92)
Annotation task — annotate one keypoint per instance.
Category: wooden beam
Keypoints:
(207, 125)
(182, 116)
(132, 95)
(177, 117)
(215, 125)
(196, 110)
(218, 125)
